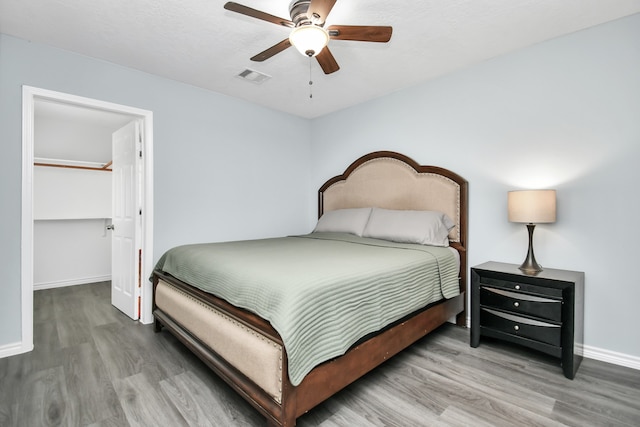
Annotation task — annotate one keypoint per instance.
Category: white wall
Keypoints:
(64, 193)
(70, 252)
(71, 209)
(564, 114)
(64, 133)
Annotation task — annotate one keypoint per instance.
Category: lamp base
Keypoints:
(530, 266)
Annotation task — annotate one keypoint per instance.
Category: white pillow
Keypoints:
(404, 226)
(344, 221)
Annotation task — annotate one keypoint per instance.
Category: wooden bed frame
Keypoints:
(383, 179)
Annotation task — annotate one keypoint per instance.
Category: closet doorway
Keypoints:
(73, 163)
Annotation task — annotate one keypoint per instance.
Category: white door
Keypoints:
(126, 252)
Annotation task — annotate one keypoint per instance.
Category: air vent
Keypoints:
(253, 76)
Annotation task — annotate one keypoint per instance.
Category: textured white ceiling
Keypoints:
(199, 43)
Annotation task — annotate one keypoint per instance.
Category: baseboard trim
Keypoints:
(613, 357)
(12, 349)
(74, 282)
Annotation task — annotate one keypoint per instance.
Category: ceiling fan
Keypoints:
(308, 33)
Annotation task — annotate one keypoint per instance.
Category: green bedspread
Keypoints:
(322, 292)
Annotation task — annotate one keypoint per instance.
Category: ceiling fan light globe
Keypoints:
(309, 40)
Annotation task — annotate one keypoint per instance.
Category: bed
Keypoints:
(333, 329)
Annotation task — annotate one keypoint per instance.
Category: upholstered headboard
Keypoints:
(391, 180)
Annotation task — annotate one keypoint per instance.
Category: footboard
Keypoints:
(255, 355)
(238, 346)
(248, 354)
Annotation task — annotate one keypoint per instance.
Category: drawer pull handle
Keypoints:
(517, 286)
(516, 327)
(516, 304)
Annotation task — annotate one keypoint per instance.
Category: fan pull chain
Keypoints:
(310, 80)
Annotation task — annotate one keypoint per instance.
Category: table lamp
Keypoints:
(531, 207)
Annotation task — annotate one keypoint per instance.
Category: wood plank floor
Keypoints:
(92, 366)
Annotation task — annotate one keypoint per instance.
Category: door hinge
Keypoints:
(140, 212)
(140, 153)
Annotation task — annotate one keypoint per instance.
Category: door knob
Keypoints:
(111, 227)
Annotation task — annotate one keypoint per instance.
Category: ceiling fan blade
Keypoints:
(276, 48)
(245, 10)
(327, 61)
(319, 10)
(362, 33)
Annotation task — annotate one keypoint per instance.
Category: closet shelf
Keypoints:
(73, 164)
(71, 218)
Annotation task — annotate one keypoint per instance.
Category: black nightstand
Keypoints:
(543, 312)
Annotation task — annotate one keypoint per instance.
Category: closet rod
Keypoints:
(73, 167)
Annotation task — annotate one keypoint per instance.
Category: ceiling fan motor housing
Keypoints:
(298, 10)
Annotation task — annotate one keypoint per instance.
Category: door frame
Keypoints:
(29, 96)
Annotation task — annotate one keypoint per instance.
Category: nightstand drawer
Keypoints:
(521, 326)
(546, 308)
(522, 287)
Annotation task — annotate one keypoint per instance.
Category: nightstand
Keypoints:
(543, 312)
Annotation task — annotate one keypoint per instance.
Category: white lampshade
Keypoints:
(532, 206)
(309, 39)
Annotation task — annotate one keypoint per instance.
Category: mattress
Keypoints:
(321, 292)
